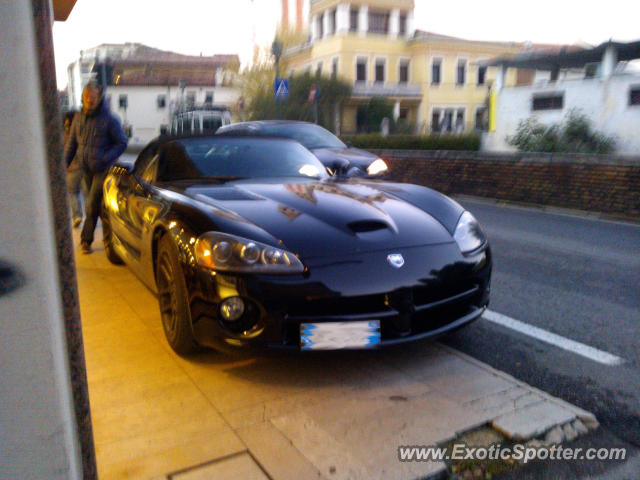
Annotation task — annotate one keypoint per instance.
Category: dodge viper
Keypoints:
(251, 242)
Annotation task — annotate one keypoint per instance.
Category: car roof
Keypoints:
(268, 122)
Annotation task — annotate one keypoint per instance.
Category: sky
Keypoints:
(229, 26)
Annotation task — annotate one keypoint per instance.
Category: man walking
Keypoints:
(96, 140)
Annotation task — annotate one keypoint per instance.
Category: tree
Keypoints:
(262, 105)
(370, 116)
(574, 135)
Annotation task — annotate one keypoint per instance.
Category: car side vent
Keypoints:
(363, 226)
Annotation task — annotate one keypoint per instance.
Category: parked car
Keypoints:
(248, 241)
(330, 150)
(200, 121)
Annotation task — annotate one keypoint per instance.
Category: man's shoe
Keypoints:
(85, 247)
(76, 222)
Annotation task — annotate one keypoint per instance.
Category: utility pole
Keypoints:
(276, 51)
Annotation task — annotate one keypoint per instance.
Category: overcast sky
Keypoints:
(228, 26)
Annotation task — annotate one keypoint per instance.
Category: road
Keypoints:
(578, 278)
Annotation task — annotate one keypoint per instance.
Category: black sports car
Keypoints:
(330, 150)
(250, 242)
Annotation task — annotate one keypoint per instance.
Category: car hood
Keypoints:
(354, 156)
(323, 218)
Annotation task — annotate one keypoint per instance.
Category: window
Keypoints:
(590, 70)
(461, 72)
(361, 70)
(161, 101)
(482, 119)
(548, 102)
(123, 101)
(402, 28)
(353, 20)
(378, 22)
(191, 99)
(320, 26)
(208, 98)
(448, 120)
(380, 70)
(460, 120)
(404, 114)
(332, 21)
(482, 75)
(334, 68)
(403, 74)
(634, 96)
(435, 121)
(319, 69)
(436, 67)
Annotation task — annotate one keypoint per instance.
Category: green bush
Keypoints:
(573, 135)
(413, 142)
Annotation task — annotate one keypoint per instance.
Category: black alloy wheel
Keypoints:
(107, 240)
(173, 299)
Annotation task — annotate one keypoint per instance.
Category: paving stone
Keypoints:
(231, 468)
(532, 420)
(554, 436)
(276, 453)
(569, 432)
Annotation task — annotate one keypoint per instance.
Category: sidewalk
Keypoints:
(340, 415)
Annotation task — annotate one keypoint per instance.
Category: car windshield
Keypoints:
(311, 136)
(232, 157)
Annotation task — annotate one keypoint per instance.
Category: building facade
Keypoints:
(145, 86)
(596, 82)
(434, 81)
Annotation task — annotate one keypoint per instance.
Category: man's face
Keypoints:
(90, 99)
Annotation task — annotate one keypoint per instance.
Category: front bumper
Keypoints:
(439, 291)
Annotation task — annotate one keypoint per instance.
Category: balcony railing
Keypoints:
(364, 89)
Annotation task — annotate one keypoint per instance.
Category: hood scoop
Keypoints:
(366, 226)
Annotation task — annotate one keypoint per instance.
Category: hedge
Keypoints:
(376, 141)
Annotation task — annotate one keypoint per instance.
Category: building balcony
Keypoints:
(407, 90)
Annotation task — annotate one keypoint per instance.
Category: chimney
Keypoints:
(285, 14)
(299, 13)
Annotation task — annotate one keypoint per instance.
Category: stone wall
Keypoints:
(597, 183)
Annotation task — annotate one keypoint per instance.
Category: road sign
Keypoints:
(313, 91)
(281, 89)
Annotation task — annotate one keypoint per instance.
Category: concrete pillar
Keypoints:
(396, 111)
(394, 23)
(343, 18)
(313, 27)
(326, 23)
(363, 20)
(609, 61)
(38, 425)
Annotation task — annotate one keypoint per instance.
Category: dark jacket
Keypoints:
(96, 140)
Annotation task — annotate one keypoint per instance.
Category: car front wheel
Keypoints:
(173, 299)
(107, 240)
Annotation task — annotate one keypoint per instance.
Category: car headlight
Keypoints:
(468, 234)
(228, 253)
(377, 167)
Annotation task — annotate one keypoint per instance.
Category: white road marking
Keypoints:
(553, 339)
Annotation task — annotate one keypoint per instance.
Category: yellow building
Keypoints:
(434, 81)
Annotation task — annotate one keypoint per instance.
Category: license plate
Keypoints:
(339, 335)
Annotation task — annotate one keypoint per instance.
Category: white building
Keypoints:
(146, 86)
(598, 82)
